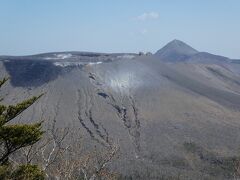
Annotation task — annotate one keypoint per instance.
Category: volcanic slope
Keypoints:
(171, 118)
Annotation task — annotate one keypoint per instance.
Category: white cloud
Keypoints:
(148, 16)
(144, 31)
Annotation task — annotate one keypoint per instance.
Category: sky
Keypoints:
(31, 27)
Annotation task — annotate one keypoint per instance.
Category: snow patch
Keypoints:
(66, 64)
(64, 56)
(59, 56)
(94, 63)
(126, 56)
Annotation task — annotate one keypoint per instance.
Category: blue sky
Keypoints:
(29, 27)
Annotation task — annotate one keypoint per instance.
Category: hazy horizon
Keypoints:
(29, 27)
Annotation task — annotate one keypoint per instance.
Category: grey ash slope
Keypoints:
(169, 118)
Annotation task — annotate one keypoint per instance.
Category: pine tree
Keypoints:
(16, 136)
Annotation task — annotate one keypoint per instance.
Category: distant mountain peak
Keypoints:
(176, 41)
(176, 50)
(180, 46)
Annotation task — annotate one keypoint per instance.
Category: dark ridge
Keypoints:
(220, 74)
(205, 57)
(222, 97)
(235, 61)
(27, 73)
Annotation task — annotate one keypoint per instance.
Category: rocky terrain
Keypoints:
(174, 113)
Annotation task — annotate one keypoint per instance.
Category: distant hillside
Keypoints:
(178, 51)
